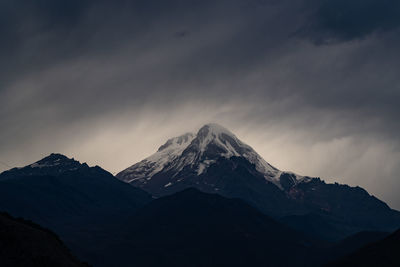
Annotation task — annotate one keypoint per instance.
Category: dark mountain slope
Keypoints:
(347, 246)
(335, 211)
(313, 224)
(84, 205)
(381, 253)
(232, 178)
(191, 228)
(27, 244)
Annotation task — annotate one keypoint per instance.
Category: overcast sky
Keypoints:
(312, 85)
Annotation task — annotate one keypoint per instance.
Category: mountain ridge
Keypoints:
(53, 164)
(216, 161)
(83, 205)
(103, 219)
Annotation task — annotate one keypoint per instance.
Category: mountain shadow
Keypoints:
(380, 253)
(192, 228)
(23, 243)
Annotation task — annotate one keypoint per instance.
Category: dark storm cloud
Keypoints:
(35, 34)
(100, 79)
(343, 20)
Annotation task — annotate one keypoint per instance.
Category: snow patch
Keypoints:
(155, 163)
(43, 165)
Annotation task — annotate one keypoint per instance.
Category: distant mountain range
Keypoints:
(204, 199)
(215, 161)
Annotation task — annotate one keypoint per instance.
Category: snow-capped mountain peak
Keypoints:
(216, 134)
(213, 141)
(197, 152)
(212, 130)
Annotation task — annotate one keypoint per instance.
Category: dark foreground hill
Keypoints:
(383, 253)
(24, 243)
(191, 228)
(351, 244)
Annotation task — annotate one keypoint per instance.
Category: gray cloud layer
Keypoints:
(312, 85)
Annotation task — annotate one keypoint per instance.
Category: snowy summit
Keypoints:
(197, 152)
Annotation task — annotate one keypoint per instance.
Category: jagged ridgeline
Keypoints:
(214, 160)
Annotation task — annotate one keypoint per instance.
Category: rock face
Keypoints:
(215, 161)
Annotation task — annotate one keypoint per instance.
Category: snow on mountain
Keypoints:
(54, 164)
(56, 160)
(198, 152)
(166, 154)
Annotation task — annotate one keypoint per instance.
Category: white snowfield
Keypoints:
(190, 150)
